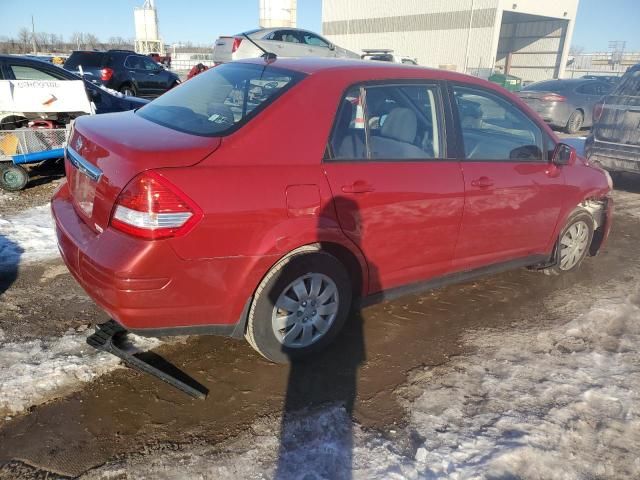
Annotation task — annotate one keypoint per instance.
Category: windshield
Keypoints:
(219, 100)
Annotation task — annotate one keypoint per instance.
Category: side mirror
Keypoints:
(564, 154)
(332, 46)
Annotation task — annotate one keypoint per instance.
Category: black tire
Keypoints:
(580, 215)
(13, 177)
(575, 122)
(128, 90)
(260, 333)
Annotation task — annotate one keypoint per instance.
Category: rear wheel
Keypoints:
(13, 177)
(575, 122)
(128, 90)
(573, 243)
(299, 307)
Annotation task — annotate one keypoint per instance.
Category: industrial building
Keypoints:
(526, 38)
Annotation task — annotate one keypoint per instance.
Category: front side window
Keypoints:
(22, 72)
(221, 99)
(493, 128)
(388, 122)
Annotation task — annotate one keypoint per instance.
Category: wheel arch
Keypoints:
(351, 258)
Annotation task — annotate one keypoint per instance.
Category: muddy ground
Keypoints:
(124, 412)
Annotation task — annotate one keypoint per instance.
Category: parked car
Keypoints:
(123, 70)
(14, 67)
(386, 55)
(254, 218)
(615, 138)
(284, 42)
(565, 104)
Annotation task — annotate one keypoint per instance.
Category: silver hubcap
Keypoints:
(305, 310)
(573, 244)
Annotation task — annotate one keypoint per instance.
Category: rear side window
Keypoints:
(388, 122)
(221, 99)
(23, 72)
(494, 129)
(629, 85)
(86, 59)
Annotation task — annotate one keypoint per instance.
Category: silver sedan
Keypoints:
(566, 104)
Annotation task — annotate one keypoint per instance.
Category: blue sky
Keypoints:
(201, 21)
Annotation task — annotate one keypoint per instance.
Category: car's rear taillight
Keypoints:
(236, 44)
(151, 207)
(597, 111)
(106, 74)
(553, 97)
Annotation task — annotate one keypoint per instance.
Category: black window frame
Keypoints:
(545, 139)
(444, 122)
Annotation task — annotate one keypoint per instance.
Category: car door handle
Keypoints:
(358, 187)
(482, 182)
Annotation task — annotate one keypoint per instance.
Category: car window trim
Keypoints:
(458, 125)
(442, 122)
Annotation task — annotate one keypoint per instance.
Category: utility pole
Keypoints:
(33, 36)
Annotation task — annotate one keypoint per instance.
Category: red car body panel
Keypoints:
(265, 191)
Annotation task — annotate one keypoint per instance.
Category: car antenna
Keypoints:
(268, 56)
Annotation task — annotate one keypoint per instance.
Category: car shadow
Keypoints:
(313, 444)
(10, 254)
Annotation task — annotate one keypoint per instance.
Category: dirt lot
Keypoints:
(122, 414)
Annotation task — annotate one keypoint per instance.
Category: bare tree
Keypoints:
(77, 39)
(24, 38)
(91, 41)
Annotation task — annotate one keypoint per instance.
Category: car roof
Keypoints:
(37, 61)
(312, 65)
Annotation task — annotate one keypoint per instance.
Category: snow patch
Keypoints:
(27, 237)
(37, 371)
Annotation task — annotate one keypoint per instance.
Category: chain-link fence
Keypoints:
(30, 140)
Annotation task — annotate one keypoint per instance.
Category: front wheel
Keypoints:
(299, 307)
(13, 177)
(573, 243)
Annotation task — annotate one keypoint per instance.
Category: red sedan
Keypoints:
(262, 199)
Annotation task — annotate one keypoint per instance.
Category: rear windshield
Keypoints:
(221, 99)
(86, 59)
(547, 86)
(629, 85)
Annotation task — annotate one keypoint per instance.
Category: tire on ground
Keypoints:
(260, 334)
(580, 214)
(13, 177)
(575, 122)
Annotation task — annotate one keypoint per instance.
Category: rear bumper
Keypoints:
(613, 156)
(145, 286)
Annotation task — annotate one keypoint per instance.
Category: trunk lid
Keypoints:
(106, 151)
